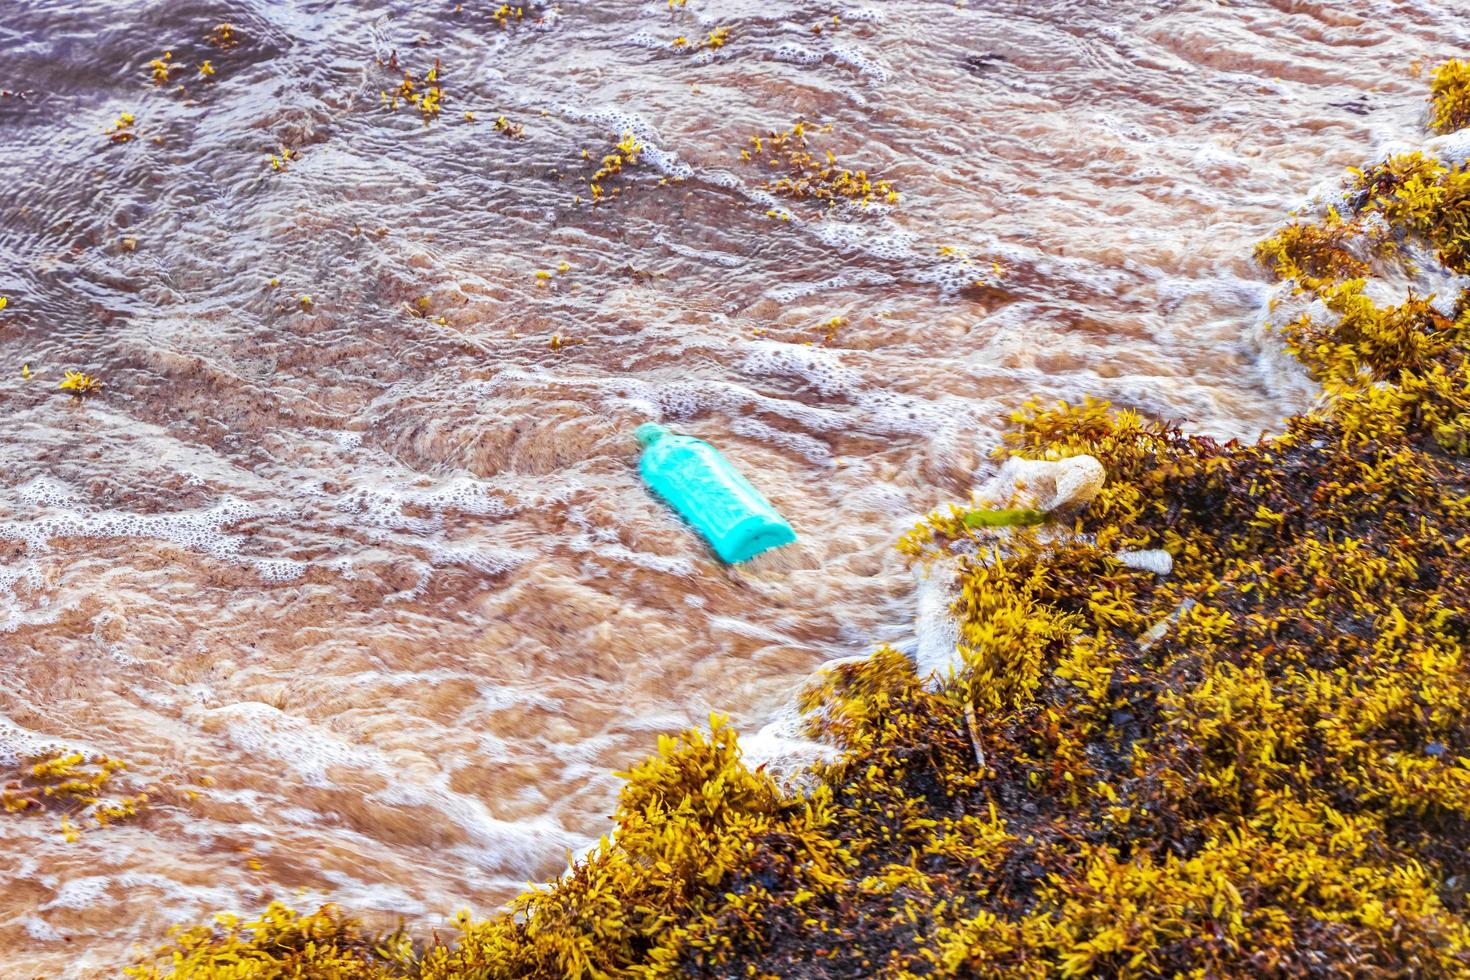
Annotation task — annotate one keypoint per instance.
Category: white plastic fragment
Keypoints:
(1155, 560)
(1045, 484)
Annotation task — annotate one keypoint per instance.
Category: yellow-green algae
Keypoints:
(1450, 101)
(1257, 766)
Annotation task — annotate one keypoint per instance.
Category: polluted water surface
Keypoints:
(336, 536)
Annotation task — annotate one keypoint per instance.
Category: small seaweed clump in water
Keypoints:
(74, 787)
(80, 384)
(807, 178)
(1257, 765)
(624, 154)
(427, 96)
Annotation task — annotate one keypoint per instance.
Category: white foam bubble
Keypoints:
(865, 64)
(782, 747)
(279, 569)
(495, 843)
(494, 698)
(820, 368)
(81, 893)
(791, 292)
(197, 530)
(618, 121)
(17, 744)
(382, 507)
(262, 730)
(685, 399)
(725, 259)
(13, 613)
(490, 559)
(951, 276)
(896, 413)
(175, 894)
(352, 893)
(851, 236)
(814, 450)
(754, 630)
(796, 54)
(663, 564)
(644, 39)
(45, 491)
(41, 930)
(884, 498)
(937, 631)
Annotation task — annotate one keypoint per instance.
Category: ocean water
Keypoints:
(349, 559)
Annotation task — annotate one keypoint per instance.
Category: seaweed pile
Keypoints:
(1257, 765)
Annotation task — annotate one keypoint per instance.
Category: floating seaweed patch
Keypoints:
(121, 130)
(80, 384)
(422, 307)
(831, 28)
(163, 67)
(72, 787)
(281, 160)
(805, 177)
(715, 39)
(624, 154)
(426, 94)
(223, 36)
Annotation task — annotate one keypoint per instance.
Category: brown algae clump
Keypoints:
(282, 160)
(804, 176)
(426, 95)
(163, 67)
(223, 37)
(121, 131)
(73, 787)
(1251, 760)
(624, 154)
(1449, 95)
(80, 384)
(514, 130)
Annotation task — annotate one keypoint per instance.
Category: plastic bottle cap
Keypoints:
(650, 432)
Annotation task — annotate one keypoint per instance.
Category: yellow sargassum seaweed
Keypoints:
(1258, 765)
(1450, 97)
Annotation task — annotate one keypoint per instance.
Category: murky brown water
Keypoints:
(392, 581)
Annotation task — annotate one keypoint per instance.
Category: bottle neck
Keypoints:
(650, 432)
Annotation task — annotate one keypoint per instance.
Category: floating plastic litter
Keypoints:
(710, 494)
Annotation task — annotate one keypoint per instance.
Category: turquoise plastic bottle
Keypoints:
(711, 494)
